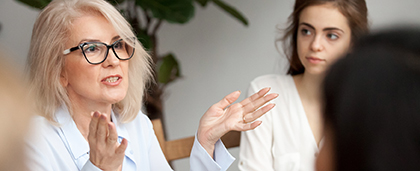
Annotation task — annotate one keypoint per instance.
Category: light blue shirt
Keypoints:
(62, 147)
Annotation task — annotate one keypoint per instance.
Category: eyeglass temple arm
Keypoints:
(67, 51)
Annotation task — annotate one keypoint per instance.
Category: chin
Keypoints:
(116, 97)
(316, 71)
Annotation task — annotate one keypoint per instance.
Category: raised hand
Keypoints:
(105, 151)
(222, 118)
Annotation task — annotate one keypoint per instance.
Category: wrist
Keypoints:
(206, 141)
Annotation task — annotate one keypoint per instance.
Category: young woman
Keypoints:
(89, 72)
(320, 32)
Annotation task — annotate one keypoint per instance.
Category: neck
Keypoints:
(309, 85)
(82, 111)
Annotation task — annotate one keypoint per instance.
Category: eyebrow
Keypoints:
(96, 40)
(325, 29)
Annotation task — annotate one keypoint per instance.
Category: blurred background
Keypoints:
(217, 55)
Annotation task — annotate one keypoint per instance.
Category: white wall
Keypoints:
(15, 36)
(217, 54)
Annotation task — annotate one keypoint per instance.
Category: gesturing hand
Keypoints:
(220, 119)
(105, 152)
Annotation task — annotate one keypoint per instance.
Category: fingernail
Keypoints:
(276, 95)
(95, 114)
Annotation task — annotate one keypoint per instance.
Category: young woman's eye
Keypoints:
(332, 36)
(306, 32)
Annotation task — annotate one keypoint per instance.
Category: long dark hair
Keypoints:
(354, 10)
(372, 103)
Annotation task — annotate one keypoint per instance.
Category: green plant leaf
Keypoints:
(173, 11)
(203, 3)
(115, 2)
(169, 69)
(39, 4)
(145, 40)
(232, 11)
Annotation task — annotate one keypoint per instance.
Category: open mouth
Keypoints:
(112, 79)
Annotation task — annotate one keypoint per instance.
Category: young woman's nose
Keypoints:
(316, 44)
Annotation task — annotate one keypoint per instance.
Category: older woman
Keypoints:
(89, 72)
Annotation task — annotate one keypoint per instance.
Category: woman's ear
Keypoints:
(63, 78)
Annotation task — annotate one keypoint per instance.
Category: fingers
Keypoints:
(253, 125)
(105, 151)
(122, 147)
(113, 136)
(255, 96)
(102, 130)
(255, 115)
(257, 103)
(93, 125)
(227, 100)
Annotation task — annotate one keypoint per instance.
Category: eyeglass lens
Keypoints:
(96, 52)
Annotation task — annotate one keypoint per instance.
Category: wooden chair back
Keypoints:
(181, 148)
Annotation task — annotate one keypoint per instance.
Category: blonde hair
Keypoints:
(46, 59)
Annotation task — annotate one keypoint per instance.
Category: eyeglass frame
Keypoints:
(111, 46)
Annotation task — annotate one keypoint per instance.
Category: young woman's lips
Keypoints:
(314, 60)
(112, 80)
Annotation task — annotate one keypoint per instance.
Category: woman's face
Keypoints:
(323, 36)
(88, 84)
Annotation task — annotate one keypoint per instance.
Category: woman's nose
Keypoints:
(316, 44)
(111, 59)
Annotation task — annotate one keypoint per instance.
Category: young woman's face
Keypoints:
(323, 36)
(104, 83)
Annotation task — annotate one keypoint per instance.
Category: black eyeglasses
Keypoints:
(97, 52)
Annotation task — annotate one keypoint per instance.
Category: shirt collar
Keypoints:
(76, 143)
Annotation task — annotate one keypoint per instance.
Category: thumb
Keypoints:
(121, 148)
(229, 99)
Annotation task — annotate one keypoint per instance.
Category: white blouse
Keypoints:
(62, 147)
(284, 141)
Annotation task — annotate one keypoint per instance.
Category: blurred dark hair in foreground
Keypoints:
(372, 103)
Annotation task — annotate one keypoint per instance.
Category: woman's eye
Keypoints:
(332, 36)
(306, 32)
(91, 48)
(119, 45)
